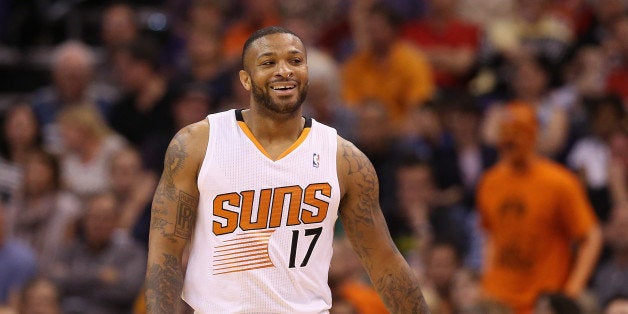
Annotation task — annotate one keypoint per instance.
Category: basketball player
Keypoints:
(255, 194)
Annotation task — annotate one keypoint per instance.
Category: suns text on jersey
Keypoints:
(303, 205)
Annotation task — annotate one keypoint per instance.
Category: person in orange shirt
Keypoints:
(387, 69)
(533, 210)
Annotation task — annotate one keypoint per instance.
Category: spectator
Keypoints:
(98, 273)
(204, 64)
(617, 81)
(73, 65)
(89, 145)
(335, 36)
(119, 28)
(484, 12)
(531, 84)
(459, 162)
(39, 296)
(45, 215)
(585, 74)
(466, 295)
(443, 261)
(20, 133)
(590, 156)
(583, 79)
(450, 44)
(388, 70)
(208, 15)
(144, 109)
(533, 211)
(18, 262)
(424, 220)
(612, 276)
(618, 168)
(604, 15)
(534, 30)
(133, 187)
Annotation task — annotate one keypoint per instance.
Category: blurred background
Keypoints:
(91, 92)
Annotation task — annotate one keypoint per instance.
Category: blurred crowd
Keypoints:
(91, 92)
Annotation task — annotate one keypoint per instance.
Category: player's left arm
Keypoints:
(366, 228)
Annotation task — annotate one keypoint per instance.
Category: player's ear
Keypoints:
(245, 79)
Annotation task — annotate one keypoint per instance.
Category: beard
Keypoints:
(263, 97)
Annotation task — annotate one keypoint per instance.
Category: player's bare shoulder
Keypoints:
(190, 142)
(355, 171)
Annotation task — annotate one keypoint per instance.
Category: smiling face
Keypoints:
(275, 72)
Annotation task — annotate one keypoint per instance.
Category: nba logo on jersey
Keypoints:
(315, 159)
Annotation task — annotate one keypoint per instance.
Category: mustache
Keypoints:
(284, 81)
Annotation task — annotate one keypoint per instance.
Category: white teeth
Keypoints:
(282, 87)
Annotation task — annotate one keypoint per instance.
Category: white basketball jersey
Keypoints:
(264, 230)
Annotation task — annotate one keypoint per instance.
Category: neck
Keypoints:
(271, 127)
(381, 52)
(521, 163)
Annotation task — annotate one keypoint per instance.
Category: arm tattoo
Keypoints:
(400, 294)
(166, 192)
(163, 283)
(185, 218)
(174, 160)
(396, 283)
(361, 171)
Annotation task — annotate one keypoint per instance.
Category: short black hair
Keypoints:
(264, 32)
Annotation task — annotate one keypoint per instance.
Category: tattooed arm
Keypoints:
(173, 214)
(366, 228)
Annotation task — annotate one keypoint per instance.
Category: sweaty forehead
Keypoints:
(278, 43)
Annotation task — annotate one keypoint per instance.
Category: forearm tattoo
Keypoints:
(395, 282)
(163, 284)
(401, 294)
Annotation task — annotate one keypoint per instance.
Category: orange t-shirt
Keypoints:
(531, 220)
(403, 80)
(363, 297)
